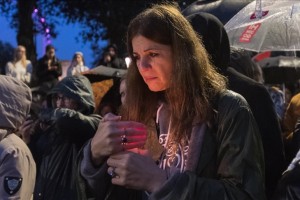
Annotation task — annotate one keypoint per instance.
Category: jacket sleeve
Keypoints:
(12, 170)
(288, 186)
(75, 125)
(238, 161)
(93, 177)
(58, 71)
(8, 69)
(42, 69)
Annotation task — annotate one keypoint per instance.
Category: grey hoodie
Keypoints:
(15, 101)
(17, 167)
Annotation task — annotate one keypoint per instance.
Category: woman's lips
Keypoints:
(150, 78)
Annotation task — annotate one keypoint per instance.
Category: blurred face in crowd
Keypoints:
(107, 58)
(20, 52)
(50, 53)
(112, 51)
(62, 101)
(154, 62)
(78, 59)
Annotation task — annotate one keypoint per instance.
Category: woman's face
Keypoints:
(154, 62)
(20, 53)
(78, 58)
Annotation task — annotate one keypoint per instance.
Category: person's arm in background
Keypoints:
(56, 68)
(75, 125)
(28, 72)
(8, 69)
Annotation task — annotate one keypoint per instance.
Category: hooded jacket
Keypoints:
(15, 103)
(215, 40)
(55, 148)
(78, 88)
(17, 167)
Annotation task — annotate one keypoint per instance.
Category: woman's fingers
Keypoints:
(111, 117)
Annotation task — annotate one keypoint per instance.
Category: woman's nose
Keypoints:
(144, 63)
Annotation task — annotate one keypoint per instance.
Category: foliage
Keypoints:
(6, 54)
(100, 19)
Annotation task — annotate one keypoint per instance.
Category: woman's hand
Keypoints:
(135, 171)
(114, 136)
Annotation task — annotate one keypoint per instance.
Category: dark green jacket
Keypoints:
(55, 149)
(229, 164)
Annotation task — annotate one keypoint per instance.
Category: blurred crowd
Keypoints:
(61, 118)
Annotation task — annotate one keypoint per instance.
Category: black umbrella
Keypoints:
(224, 10)
(281, 69)
(101, 73)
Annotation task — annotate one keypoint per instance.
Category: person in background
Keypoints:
(105, 60)
(77, 65)
(288, 186)
(116, 61)
(60, 133)
(20, 67)
(241, 61)
(48, 69)
(291, 116)
(216, 42)
(17, 166)
(291, 126)
(212, 147)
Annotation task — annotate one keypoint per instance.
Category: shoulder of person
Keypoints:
(14, 146)
(9, 64)
(230, 97)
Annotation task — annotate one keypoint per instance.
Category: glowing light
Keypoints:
(41, 24)
(127, 61)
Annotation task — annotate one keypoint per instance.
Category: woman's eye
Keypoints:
(135, 57)
(153, 54)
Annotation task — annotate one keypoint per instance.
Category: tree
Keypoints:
(19, 12)
(100, 19)
(6, 54)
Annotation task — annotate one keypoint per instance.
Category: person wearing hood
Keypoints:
(17, 166)
(60, 134)
(215, 40)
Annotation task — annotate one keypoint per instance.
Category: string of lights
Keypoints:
(41, 25)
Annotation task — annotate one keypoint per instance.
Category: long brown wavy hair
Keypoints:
(194, 81)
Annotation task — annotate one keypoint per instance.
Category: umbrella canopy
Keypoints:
(268, 25)
(100, 73)
(105, 83)
(280, 69)
(224, 10)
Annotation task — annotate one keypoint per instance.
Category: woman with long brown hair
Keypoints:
(212, 149)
